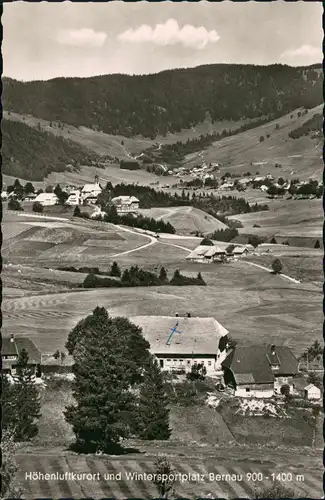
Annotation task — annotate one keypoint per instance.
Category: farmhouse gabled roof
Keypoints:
(10, 348)
(205, 251)
(311, 386)
(257, 361)
(198, 335)
(88, 188)
(214, 250)
(125, 199)
(46, 196)
(239, 250)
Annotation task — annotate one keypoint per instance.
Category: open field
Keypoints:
(243, 298)
(229, 460)
(186, 220)
(244, 152)
(53, 243)
(307, 268)
(285, 218)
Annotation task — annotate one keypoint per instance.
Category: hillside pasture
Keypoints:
(306, 268)
(295, 218)
(244, 299)
(52, 243)
(244, 152)
(186, 220)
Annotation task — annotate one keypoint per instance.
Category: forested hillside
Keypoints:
(310, 127)
(169, 101)
(32, 154)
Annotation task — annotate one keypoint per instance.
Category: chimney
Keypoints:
(188, 315)
(12, 338)
(273, 349)
(96, 179)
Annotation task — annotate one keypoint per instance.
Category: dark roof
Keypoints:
(11, 348)
(255, 363)
(8, 348)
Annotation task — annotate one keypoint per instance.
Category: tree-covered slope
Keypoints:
(32, 154)
(169, 101)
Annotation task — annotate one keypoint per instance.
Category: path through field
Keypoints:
(141, 247)
(270, 270)
(118, 477)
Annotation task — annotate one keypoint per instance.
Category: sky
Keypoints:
(47, 40)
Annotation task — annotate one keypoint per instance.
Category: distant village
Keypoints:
(86, 195)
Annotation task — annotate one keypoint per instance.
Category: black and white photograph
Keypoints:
(162, 250)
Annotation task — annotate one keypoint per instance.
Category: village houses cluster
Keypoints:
(85, 195)
(181, 341)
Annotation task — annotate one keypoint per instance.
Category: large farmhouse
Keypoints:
(179, 342)
(206, 254)
(126, 205)
(47, 199)
(90, 192)
(10, 351)
(260, 371)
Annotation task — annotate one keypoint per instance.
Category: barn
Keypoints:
(260, 371)
(10, 351)
(206, 254)
(179, 342)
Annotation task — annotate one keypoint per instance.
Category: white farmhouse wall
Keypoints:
(253, 393)
(174, 363)
(313, 393)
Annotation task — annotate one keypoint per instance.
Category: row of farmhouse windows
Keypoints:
(187, 361)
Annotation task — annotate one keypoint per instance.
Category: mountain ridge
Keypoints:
(168, 101)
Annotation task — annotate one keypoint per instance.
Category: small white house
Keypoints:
(47, 199)
(74, 198)
(4, 196)
(98, 213)
(312, 392)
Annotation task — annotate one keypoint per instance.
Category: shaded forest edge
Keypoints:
(32, 154)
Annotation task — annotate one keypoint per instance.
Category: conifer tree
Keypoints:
(77, 211)
(115, 270)
(153, 404)
(200, 279)
(277, 266)
(109, 355)
(9, 486)
(26, 409)
(126, 276)
(163, 275)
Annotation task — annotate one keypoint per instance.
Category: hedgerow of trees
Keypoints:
(314, 124)
(135, 276)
